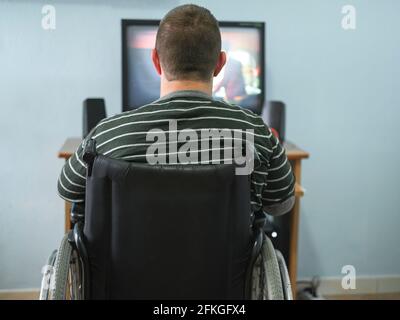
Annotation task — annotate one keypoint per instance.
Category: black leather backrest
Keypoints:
(167, 232)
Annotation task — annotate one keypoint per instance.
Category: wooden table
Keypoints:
(294, 154)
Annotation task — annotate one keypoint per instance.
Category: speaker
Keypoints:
(276, 118)
(94, 110)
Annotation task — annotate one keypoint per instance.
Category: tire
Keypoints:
(273, 285)
(66, 283)
(258, 280)
(287, 288)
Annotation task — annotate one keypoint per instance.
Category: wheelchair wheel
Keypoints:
(273, 280)
(267, 282)
(67, 278)
(287, 288)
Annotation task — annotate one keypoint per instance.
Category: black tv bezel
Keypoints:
(125, 23)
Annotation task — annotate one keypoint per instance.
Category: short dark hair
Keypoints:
(188, 43)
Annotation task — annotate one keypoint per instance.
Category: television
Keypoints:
(241, 81)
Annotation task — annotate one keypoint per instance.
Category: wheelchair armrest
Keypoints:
(89, 154)
(77, 212)
(260, 219)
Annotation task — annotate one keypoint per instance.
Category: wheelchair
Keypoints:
(164, 232)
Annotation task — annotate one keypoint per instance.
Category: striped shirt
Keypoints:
(124, 136)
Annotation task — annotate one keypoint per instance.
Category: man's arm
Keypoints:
(72, 181)
(278, 194)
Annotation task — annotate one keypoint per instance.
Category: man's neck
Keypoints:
(168, 87)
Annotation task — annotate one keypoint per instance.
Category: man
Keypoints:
(187, 56)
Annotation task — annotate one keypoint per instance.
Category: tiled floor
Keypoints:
(378, 296)
(26, 295)
(33, 295)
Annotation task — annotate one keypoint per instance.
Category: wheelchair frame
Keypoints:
(76, 240)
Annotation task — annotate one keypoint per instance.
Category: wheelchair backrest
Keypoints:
(166, 231)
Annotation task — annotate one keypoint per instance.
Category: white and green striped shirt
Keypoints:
(123, 136)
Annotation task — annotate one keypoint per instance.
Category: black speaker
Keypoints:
(276, 117)
(94, 110)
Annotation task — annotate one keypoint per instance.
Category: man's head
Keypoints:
(188, 45)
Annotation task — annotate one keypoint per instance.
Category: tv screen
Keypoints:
(241, 81)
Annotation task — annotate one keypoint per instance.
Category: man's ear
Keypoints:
(156, 61)
(220, 63)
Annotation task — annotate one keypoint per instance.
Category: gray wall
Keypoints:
(340, 88)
